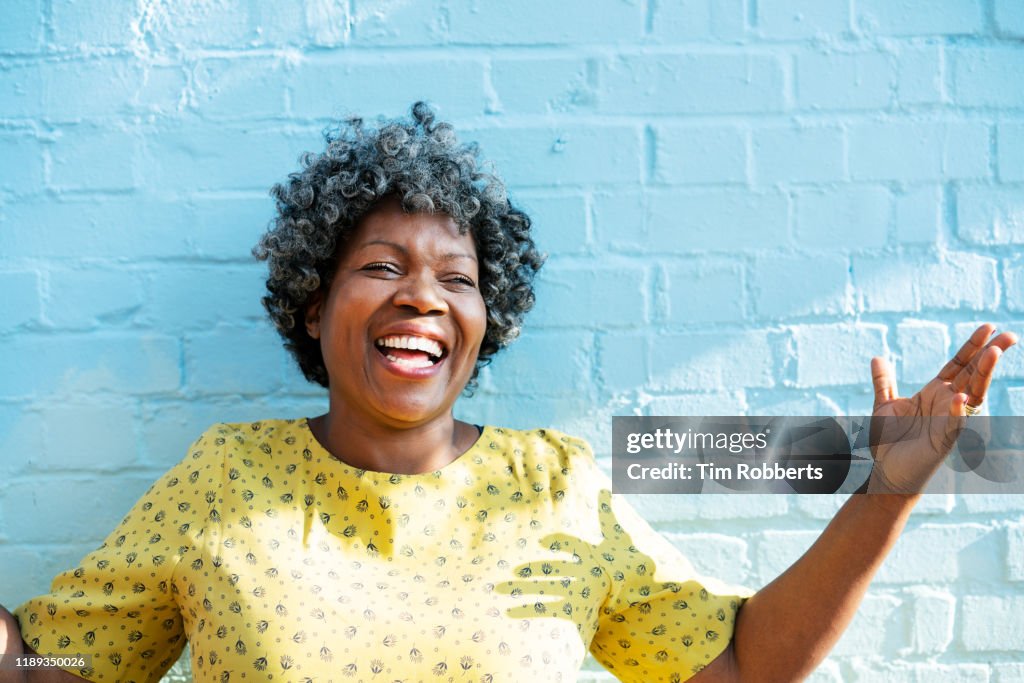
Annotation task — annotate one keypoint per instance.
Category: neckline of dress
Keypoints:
(318, 448)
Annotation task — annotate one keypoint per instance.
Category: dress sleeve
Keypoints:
(661, 621)
(119, 604)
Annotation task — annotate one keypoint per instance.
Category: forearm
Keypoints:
(786, 629)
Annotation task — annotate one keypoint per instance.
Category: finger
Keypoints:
(979, 382)
(957, 420)
(960, 361)
(883, 380)
(1002, 342)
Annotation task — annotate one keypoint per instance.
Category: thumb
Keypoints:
(884, 380)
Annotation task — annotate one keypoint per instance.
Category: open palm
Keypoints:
(912, 436)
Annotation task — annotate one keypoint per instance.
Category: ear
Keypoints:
(313, 314)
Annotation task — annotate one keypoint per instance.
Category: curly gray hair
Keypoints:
(420, 162)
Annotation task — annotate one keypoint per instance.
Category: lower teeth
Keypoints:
(409, 363)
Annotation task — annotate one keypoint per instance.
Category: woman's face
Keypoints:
(401, 327)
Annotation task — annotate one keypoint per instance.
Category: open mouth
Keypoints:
(410, 351)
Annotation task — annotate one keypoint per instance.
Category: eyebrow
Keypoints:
(452, 256)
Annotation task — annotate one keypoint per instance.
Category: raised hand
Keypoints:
(912, 447)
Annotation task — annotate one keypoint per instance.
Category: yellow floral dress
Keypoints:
(276, 561)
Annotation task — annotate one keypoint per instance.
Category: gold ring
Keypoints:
(972, 410)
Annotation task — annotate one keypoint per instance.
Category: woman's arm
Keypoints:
(10, 640)
(784, 631)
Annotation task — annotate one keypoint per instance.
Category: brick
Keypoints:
(21, 432)
(1009, 17)
(558, 221)
(798, 154)
(87, 158)
(704, 291)
(925, 349)
(697, 155)
(619, 220)
(392, 84)
(86, 509)
(914, 558)
(91, 436)
(21, 163)
(328, 22)
(918, 18)
(993, 503)
(555, 363)
(92, 298)
(22, 27)
(1015, 552)
(956, 282)
(571, 296)
(874, 629)
(920, 77)
(283, 22)
(73, 364)
(723, 20)
(722, 557)
(222, 24)
(562, 23)
(82, 228)
(692, 84)
(870, 672)
(77, 23)
(827, 672)
(1008, 673)
(218, 157)
(959, 281)
(990, 215)
(711, 362)
(542, 86)
(713, 219)
(1010, 152)
(717, 403)
(198, 298)
(932, 614)
(21, 91)
(226, 228)
(787, 286)
(919, 213)
(622, 360)
(108, 86)
(836, 354)
(980, 77)
(240, 87)
(714, 507)
(418, 23)
(214, 365)
(800, 19)
(846, 218)
(572, 155)
(844, 81)
(906, 151)
(991, 622)
(22, 304)
(1013, 271)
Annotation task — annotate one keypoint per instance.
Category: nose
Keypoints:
(421, 292)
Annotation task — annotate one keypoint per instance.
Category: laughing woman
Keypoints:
(387, 540)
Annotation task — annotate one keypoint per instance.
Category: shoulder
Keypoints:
(540, 449)
(225, 436)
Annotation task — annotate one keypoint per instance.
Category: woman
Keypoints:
(387, 540)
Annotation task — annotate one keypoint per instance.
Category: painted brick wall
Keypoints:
(743, 200)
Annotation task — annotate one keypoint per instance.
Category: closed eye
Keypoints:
(381, 266)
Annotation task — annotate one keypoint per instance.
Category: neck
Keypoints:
(375, 447)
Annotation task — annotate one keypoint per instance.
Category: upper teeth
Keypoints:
(414, 343)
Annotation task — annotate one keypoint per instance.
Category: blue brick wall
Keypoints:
(743, 200)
